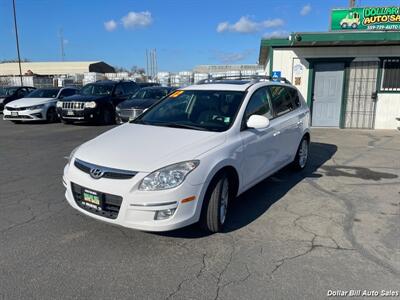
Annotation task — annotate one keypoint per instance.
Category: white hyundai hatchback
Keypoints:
(187, 157)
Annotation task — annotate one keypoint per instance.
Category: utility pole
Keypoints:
(147, 63)
(16, 37)
(62, 44)
(352, 3)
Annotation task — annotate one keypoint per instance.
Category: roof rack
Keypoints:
(251, 78)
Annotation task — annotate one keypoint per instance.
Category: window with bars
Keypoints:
(391, 75)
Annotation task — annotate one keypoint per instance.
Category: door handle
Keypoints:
(276, 133)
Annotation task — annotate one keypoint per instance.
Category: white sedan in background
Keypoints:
(39, 105)
(188, 156)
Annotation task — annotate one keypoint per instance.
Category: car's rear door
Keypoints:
(287, 122)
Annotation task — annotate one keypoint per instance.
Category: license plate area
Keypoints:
(92, 199)
(14, 113)
(70, 113)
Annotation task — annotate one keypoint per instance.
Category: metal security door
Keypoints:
(361, 95)
(328, 94)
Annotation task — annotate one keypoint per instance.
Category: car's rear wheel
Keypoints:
(302, 154)
(216, 203)
(51, 115)
(344, 25)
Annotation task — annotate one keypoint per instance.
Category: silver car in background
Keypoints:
(39, 105)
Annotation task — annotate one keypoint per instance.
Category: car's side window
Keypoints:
(282, 101)
(129, 88)
(295, 97)
(22, 92)
(67, 92)
(119, 91)
(258, 105)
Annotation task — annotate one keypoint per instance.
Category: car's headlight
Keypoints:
(59, 104)
(168, 177)
(90, 104)
(117, 108)
(35, 107)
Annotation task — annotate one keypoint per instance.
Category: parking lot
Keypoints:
(334, 226)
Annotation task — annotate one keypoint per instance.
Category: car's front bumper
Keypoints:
(138, 208)
(86, 114)
(24, 115)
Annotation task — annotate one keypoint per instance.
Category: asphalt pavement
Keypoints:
(332, 227)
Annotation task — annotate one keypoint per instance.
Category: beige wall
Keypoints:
(387, 110)
(288, 60)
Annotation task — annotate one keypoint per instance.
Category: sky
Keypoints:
(185, 33)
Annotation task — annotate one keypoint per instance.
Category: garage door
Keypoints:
(328, 88)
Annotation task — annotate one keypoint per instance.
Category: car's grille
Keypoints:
(130, 113)
(15, 108)
(73, 105)
(17, 117)
(106, 172)
(110, 204)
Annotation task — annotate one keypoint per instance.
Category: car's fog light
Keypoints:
(164, 214)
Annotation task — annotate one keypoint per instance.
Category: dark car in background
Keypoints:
(148, 84)
(96, 102)
(141, 100)
(11, 93)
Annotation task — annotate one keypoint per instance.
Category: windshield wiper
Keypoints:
(181, 125)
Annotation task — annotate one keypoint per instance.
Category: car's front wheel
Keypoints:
(108, 117)
(216, 203)
(51, 115)
(302, 154)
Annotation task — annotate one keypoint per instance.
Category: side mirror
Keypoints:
(257, 122)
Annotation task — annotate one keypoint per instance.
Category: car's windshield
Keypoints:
(96, 90)
(7, 91)
(150, 93)
(43, 93)
(194, 109)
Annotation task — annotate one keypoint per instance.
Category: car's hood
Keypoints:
(137, 103)
(24, 102)
(84, 98)
(145, 148)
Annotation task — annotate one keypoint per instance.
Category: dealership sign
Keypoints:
(366, 18)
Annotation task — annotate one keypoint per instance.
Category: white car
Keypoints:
(39, 105)
(186, 158)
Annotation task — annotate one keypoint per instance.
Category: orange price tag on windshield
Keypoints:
(176, 94)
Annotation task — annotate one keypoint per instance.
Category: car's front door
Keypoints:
(259, 149)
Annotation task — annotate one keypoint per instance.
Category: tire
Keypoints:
(344, 25)
(108, 117)
(216, 203)
(354, 25)
(67, 121)
(51, 115)
(301, 159)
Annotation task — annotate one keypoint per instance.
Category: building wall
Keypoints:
(288, 60)
(387, 110)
